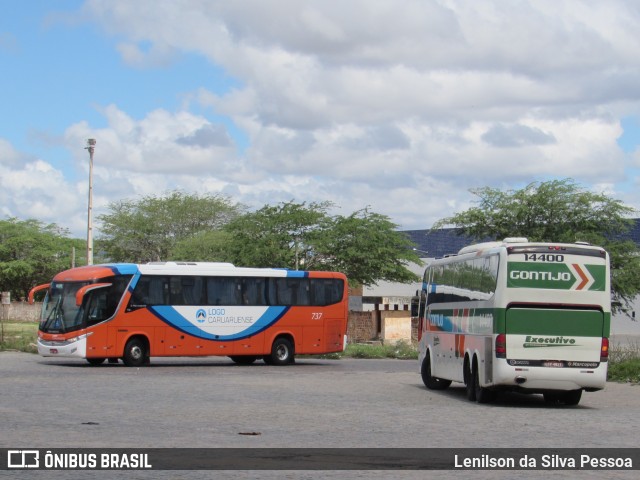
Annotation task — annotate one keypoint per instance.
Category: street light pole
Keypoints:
(91, 144)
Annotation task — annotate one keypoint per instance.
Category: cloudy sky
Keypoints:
(399, 105)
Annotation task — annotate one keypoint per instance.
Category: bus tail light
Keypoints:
(501, 346)
(604, 349)
(420, 326)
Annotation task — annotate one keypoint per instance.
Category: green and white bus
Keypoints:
(516, 315)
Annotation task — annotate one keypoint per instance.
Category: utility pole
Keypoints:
(91, 144)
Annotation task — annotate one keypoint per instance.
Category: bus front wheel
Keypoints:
(135, 353)
(431, 382)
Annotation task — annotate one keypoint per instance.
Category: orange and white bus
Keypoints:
(133, 312)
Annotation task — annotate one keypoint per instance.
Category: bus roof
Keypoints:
(175, 268)
(521, 242)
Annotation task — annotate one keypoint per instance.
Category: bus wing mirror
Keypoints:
(36, 289)
(87, 288)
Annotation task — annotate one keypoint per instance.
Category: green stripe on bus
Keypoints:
(598, 272)
(584, 323)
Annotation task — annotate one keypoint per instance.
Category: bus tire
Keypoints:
(572, 397)
(483, 395)
(135, 353)
(243, 359)
(281, 352)
(469, 380)
(96, 361)
(431, 382)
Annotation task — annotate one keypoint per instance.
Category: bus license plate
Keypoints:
(553, 364)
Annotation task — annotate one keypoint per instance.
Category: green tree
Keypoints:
(31, 253)
(207, 246)
(367, 247)
(364, 245)
(150, 228)
(557, 211)
(277, 236)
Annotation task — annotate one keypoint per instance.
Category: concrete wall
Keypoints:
(395, 326)
(21, 312)
(388, 326)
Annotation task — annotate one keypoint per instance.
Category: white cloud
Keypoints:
(37, 190)
(401, 105)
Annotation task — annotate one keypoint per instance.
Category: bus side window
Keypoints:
(422, 305)
(224, 291)
(325, 291)
(188, 291)
(150, 290)
(254, 291)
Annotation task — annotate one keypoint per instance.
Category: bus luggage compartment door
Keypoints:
(552, 337)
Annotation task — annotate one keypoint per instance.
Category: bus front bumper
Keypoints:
(72, 347)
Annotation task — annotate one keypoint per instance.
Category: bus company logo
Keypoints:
(583, 364)
(201, 316)
(23, 459)
(536, 342)
(541, 276)
(570, 276)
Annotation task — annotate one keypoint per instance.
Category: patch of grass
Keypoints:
(624, 363)
(19, 336)
(400, 350)
(625, 371)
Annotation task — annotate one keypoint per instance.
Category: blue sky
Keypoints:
(401, 106)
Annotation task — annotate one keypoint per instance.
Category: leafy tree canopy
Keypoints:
(149, 229)
(365, 246)
(277, 235)
(557, 211)
(31, 253)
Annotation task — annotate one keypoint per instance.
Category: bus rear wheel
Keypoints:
(469, 380)
(281, 352)
(135, 353)
(483, 395)
(431, 382)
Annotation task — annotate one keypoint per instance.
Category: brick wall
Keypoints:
(362, 326)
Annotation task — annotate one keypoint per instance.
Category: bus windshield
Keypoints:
(60, 314)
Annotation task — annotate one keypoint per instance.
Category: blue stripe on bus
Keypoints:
(124, 268)
(296, 274)
(172, 318)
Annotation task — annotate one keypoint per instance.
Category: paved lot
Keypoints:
(211, 402)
